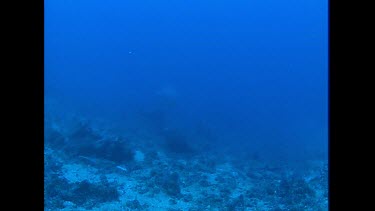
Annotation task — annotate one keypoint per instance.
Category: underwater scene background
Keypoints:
(186, 105)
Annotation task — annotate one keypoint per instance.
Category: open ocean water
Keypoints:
(186, 105)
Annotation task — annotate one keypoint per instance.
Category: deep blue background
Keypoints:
(255, 71)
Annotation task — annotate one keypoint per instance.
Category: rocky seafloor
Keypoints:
(88, 167)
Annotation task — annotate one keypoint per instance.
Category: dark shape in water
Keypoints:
(177, 143)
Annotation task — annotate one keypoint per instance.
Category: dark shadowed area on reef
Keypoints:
(186, 105)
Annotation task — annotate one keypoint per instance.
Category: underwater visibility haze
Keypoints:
(186, 105)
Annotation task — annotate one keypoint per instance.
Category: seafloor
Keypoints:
(89, 166)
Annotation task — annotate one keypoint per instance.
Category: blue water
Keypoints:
(243, 76)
